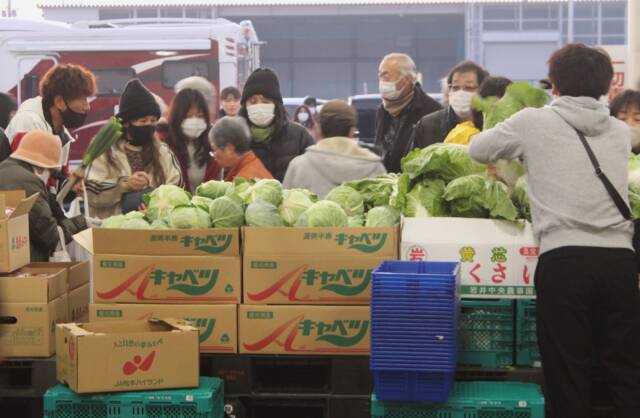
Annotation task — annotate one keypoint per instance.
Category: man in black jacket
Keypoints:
(403, 104)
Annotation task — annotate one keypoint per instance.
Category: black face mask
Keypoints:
(72, 119)
(140, 135)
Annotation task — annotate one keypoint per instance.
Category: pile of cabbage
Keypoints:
(261, 203)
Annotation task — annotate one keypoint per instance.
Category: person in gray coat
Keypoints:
(336, 157)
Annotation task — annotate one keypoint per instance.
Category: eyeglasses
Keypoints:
(470, 88)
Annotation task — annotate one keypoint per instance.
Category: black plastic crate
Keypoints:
(22, 407)
(512, 374)
(27, 377)
(298, 405)
(247, 375)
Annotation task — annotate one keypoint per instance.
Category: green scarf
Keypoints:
(261, 135)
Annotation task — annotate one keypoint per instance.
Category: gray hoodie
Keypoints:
(329, 163)
(569, 204)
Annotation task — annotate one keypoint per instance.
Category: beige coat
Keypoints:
(105, 184)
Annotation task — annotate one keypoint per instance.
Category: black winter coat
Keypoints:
(291, 140)
(45, 216)
(435, 127)
(393, 149)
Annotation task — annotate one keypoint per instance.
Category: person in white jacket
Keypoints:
(336, 157)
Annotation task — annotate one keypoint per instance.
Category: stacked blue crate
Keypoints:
(414, 312)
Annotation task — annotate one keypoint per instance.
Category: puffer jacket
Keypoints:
(292, 140)
(45, 216)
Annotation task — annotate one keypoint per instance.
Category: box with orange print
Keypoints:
(125, 356)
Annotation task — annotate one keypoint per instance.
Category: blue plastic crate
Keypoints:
(527, 351)
(413, 386)
(206, 401)
(471, 400)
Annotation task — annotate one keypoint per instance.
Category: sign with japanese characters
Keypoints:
(304, 330)
(166, 279)
(497, 258)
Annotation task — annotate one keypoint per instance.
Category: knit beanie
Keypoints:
(137, 102)
(262, 81)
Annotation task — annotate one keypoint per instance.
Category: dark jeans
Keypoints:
(588, 315)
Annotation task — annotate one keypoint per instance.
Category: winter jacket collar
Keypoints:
(343, 146)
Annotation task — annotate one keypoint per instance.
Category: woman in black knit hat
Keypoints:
(274, 139)
(116, 181)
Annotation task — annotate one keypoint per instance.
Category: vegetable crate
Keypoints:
(486, 333)
(206, 401)
(414, 310)
(527, 352)
(472, 400)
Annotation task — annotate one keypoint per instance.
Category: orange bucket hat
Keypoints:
(40, 149)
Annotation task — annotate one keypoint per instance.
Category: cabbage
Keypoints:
(163, 199)
(443, 161)
(509, 171)
(382, 216)
(348, 198)
(634, 203)
(114, 221)
(135, 215)
(294, 203)
(634, 173)
(189, 217)
(426, 199)
(477, 196)
(226, 213)
(202, 202)
(376, 191)
(213, 189)
(325, 214)
(135, 223)
(520, 198)
(238, 186)
(355, 221)
(260, 213)
(517, 96)
(267, 190)
(159, 224)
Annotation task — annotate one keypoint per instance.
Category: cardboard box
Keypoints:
(274, 279)
(79, 304)
(321, 241)
(498, 258)
(47, 284)
(218, 324)
(14, 230)
(79, 273)
(33, 332)
(304, 330)
(120, 356)
(166, 279)
(186, 242)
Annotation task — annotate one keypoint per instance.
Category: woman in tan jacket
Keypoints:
(137, 162)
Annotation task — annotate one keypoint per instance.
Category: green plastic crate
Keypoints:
(206, 401)
(486, 333)
(472, 400)
(527, 351)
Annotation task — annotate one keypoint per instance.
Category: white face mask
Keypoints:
(303, 117)
(261, 114)
(312, 110)
(44, 176)
(388, 90)
(193, 127)
(460, 102)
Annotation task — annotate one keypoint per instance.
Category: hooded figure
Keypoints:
(336, 157)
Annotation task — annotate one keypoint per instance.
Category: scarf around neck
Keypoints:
(395, 107)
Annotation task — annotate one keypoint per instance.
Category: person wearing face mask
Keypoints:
(403, 104)
(136, 163)
(312, 104)
(188, 128)
(274, 139)
(626, 107)
(63, 105)
(29, 168)
(304, 117)
(463, 82)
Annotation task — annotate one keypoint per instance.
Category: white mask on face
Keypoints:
(460, 102)
(193, 127)
(303, 117)
(312, 110)
(261, 114)
(44, 176)
(388, 90)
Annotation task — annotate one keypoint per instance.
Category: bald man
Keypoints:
(403, 104)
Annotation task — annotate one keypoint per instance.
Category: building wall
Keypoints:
(71, 15)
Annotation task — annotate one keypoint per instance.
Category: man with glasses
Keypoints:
(403, 104)
(463, 83)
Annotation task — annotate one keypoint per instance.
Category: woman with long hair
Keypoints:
(136, 163)
(189, 124)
